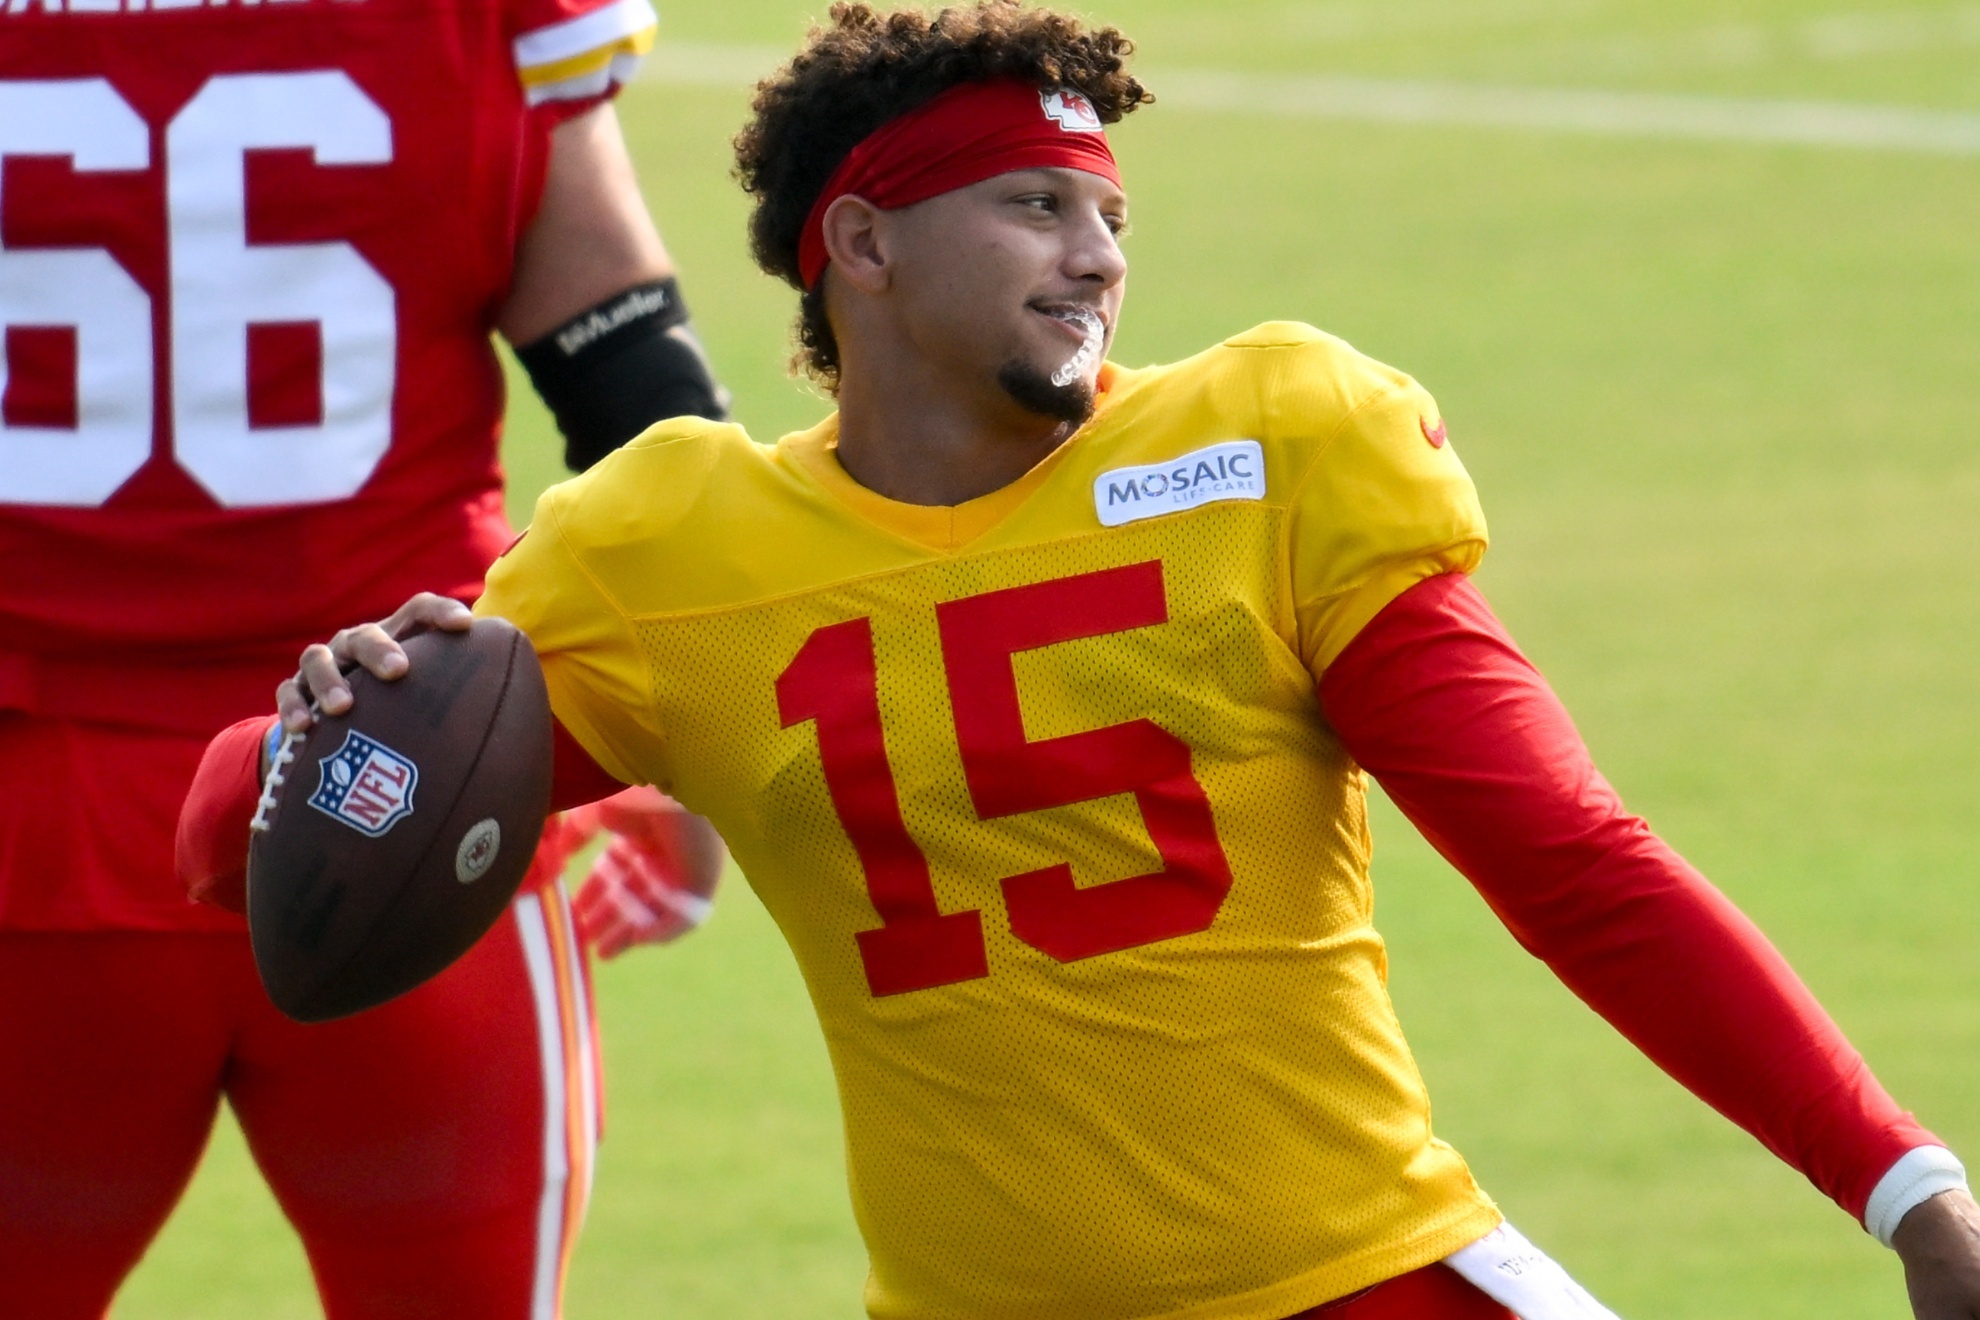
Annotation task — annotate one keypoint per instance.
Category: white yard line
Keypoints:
(1826, 39)
(1858, 36)
(1468, 105)
(1607, 114)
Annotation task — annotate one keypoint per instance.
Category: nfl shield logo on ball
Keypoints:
(1071, 111)
(366, 785)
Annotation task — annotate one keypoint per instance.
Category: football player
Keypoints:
(1036, 707)
(250, 258)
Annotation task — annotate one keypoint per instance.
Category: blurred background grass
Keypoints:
(1718, 401)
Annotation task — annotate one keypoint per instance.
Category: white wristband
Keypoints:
(1919, 1175)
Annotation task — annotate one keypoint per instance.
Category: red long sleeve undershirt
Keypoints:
(1435, 701)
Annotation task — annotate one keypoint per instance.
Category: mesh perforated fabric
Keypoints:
(1196, 1102)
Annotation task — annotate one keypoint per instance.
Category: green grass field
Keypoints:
(1719, 400)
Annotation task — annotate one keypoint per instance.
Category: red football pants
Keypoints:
(434, 1154)
(1435, 1292)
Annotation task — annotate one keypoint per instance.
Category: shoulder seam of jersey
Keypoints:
(610, 600)
(577, 559)
(1299, 487)
(1321, 450)
(700, 427)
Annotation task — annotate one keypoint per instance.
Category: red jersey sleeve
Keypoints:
(212, 843)
(575, 778)
(1437, 703)
(571, 54)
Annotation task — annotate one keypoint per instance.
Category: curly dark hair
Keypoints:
(868, 67)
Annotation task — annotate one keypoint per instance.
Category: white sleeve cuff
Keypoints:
(1919, 1175)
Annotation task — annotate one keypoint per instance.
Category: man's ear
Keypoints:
(855, 243)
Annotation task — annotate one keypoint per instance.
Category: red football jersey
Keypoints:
(250, 254)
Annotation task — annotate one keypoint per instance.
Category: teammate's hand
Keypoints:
(563, 835)
(1939, 1243)
(654, 880)
(373, 647)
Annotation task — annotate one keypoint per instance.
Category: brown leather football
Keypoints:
(390, 839)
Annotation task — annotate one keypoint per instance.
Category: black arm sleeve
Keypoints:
(609, 373)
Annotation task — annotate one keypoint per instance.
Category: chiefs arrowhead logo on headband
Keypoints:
(972, 132)
(1070, 111)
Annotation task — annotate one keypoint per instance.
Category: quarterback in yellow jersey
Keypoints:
(1034, 696)
(1123, 971)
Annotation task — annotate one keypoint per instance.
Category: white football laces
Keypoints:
(284, 757)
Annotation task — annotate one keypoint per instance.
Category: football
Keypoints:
(390, 839)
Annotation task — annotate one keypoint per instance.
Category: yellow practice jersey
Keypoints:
(1039, 791)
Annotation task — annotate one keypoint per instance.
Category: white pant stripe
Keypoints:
(541, 959)
(587, 1097)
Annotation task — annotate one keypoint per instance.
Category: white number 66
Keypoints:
(220, 284)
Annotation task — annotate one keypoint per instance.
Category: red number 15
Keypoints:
(832, 682)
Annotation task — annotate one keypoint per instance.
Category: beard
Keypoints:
(1033, 391)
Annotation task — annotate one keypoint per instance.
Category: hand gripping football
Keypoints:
(390, 839)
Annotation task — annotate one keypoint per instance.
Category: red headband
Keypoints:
(972, 132)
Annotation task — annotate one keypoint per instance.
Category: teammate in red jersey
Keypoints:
(250, 257)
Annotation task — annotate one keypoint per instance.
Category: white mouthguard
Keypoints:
(1087, 354)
